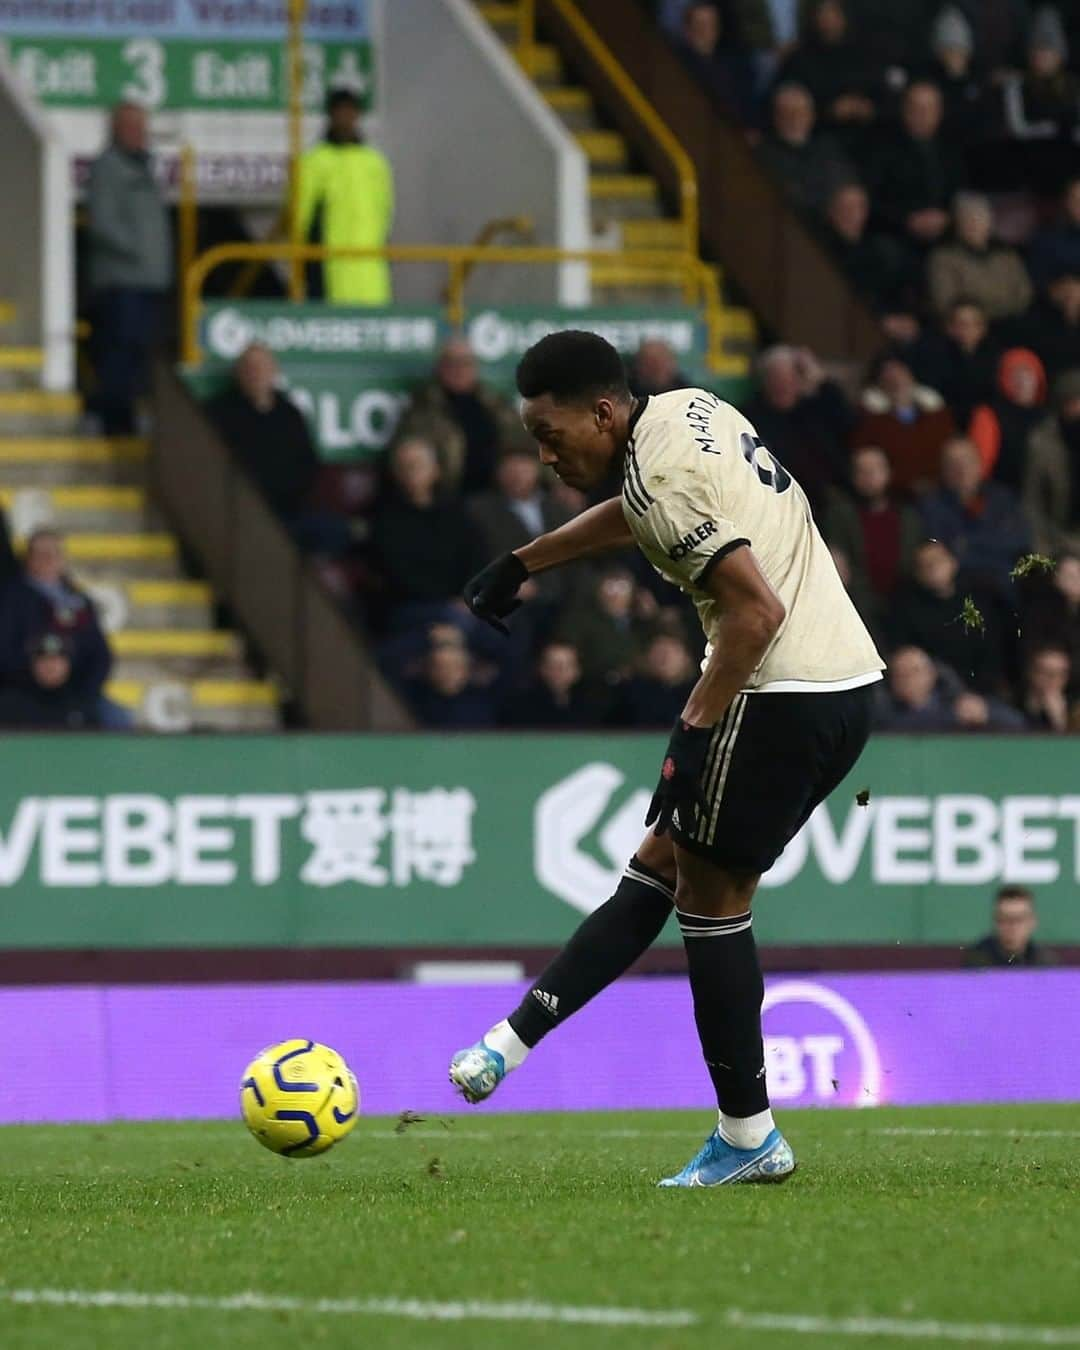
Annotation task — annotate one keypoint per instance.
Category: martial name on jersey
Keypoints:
(698, 483)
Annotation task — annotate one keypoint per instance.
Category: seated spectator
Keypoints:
(1055, 251)
(808, 165)
(46, 696)
(1052, 325)
(606, 633)
(65, 679)
(553, 699)
(1012, 943)
(927, 612)
(655, 369)
(269, 438)
(908, 421)
(834, 68)
(1051, 493)
(518, 508)
(446, 696)
(878, 534)
(918, 170)
(917, 696)
(1045, 698)
(1043, 103)
(656, 695)
(1002, 428)
(952, 68)
(976, 266)
(877, 265)
(803, 417)
(981, 522)
(467, 422)
(1051, 614)
(722, 69)
(424, 548)
(961, 363)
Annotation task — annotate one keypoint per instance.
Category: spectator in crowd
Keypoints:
(606, 632)
(908, 421)
(1052, 325)
(722, 69)
(466, 420)
(129, 260)
(927, 612)
(655, 369)
(877, 533)
(45, 696)
(808, 165)
(919, 169)
(656, 694)
(835, 70)
(803, 418)
(960, 363)
(1051, 614)
(553, 699)
(919, 696)
(9, 565)
(1051, 493)
(69, 676)
(446, 694)
(981, 522)
(1045, 700)
(952, 68)
(975, 266)
(424, 547)
(269, 438)
(878, 265)
(1055, 251)
(345, 199)
(1043, 103)
(1002, 428)
(1012, 943)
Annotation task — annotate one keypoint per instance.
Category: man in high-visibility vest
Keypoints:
(346, 198)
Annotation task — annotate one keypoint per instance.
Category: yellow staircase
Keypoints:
(172, 666)
(628, 210)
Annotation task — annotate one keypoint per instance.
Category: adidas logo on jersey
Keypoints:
(548, 1001)
(690, 541)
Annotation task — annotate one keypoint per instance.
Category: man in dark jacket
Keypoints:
(553, 700)
(130, 265)
(918, 171)
(1012, 943)
(807, 165)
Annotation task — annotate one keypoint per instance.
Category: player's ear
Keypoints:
(604, 412)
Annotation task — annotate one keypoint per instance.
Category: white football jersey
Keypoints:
(699, 482)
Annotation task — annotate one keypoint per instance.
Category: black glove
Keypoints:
(680, 778)
(492, 593)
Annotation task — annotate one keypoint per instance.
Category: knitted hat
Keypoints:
(1048, 31)
(951, 29)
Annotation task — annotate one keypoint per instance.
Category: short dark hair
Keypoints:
(1014, 892)
(340, 95)
(573, 367)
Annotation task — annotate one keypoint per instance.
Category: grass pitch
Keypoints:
(900, 1227)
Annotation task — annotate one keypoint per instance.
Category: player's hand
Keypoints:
(492, 593)
(679, 788)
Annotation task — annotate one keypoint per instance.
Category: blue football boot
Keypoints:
(477, 1071)
(718, 1164)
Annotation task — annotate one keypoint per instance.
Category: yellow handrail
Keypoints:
(526, 34)
(459, 259)
(646, 114)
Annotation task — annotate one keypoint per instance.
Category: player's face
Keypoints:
(575, 440)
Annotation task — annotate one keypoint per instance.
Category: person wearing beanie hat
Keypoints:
(953, 68)
(951, 35)
(1002, 427)
(1041, 107)
(1051, 493)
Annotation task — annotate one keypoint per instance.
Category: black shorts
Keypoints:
(772, 759)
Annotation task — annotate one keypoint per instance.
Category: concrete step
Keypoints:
(9, 312)
(544, 64)
(500, 15)
(638, 295)
(615, 272)
(623, 196)
(240, 704)
(148, 669)
(661, 234)
(146, 555)
(606, 151)
(147, 604)
(163, 644)
(43, 461)
(105, 507)
(39, 403)
(21, 358)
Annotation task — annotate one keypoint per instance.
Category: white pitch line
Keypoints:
(418, 1310)
(947, 1131)
(973, 1333)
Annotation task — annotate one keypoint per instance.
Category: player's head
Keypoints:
(342, 113)
(576, 402)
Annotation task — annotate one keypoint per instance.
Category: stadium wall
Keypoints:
(472, 141)
(444, 842)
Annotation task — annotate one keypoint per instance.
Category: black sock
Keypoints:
(728, 988)
(608, 942)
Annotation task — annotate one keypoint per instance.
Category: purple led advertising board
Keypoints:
(77, 1053)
